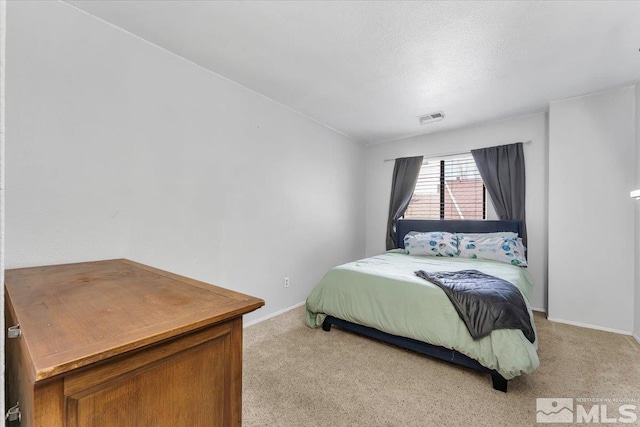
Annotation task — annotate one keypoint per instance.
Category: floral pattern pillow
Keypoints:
(434, 243)
(503, 249)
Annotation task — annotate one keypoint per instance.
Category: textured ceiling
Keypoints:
(368, 69)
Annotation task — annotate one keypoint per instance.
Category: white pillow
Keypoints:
(485, 235)
(503, 249)
(434, 243)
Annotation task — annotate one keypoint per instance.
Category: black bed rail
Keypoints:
(452, 356)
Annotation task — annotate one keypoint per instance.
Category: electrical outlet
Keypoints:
(286, 282)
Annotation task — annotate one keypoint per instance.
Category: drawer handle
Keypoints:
(14, 331)
(13, 414)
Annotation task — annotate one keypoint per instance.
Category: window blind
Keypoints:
(448, 189)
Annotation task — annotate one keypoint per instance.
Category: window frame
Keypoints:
(442, 187)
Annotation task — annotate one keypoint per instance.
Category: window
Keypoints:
(448, 189)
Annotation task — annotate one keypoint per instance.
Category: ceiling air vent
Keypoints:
(431, 118)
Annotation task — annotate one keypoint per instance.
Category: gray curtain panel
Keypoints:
(502, 171)
(405, 175)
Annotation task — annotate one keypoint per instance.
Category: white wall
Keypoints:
(636, 327)
(116, 148)
(591, 217)
(533, 127)
(3, 15)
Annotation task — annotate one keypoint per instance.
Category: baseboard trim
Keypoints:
(637, 338)
(586, 325)
(277, 313)
(540, 310)
(567, 322)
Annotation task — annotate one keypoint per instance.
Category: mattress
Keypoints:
(382, 292)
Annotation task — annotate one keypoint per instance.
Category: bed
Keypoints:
(382, 298)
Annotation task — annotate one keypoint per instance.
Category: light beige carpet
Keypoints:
(297, 376)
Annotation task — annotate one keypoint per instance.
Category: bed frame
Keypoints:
(460, 226)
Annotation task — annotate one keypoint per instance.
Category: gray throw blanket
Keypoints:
(483, 302)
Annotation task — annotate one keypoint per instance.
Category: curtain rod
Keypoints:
(448, 154)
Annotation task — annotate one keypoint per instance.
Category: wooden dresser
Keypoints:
(117, 343)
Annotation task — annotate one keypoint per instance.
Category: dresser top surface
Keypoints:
(73, 315)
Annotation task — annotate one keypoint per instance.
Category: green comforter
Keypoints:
(383, 292)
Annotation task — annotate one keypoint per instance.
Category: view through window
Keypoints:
(448, 188)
